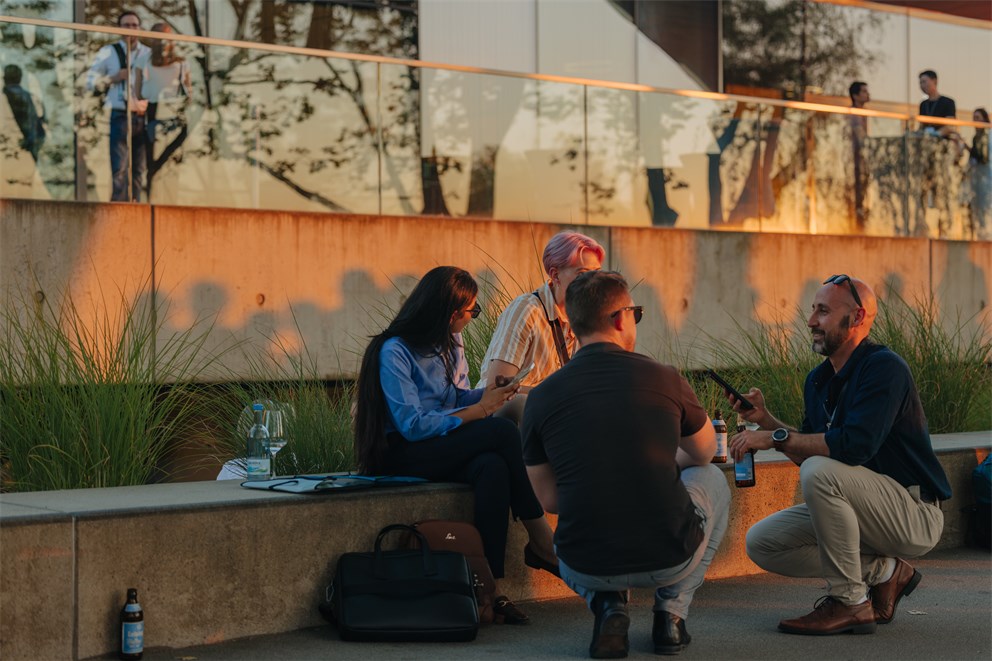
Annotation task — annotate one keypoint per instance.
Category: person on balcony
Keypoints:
(618, 445)
(417, 416)
(858, 92)
(869, 476)
(534, 328)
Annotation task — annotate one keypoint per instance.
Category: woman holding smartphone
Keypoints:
(416, 415)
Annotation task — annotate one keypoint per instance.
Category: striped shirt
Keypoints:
(523, 336)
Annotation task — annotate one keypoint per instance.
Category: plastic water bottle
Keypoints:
(132, 627)
(259, 462)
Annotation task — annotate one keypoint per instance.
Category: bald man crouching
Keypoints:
(869, 476)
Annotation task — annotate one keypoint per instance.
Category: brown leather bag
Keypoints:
(463, 538)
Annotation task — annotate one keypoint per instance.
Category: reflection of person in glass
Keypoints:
(113, 71)
(22, 106)
(978, 178)
(858, 92)
(164, 82)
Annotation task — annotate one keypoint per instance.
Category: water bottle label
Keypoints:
(258, 467)
(132, 637)
(721, 444)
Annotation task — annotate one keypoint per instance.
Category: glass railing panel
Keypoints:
(781, 186)
(282, 131)
(934, 182)
(467, 120)
(409, 183)
(616, 189)
(697, 155)
(540, 168)
(885, 182)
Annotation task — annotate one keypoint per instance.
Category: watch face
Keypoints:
(780, 435)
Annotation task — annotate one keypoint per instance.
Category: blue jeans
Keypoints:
(707, 487)
(128, 174)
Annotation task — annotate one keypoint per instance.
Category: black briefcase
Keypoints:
(404, 595)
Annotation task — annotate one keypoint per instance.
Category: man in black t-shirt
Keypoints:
(620, 448)
(935, 186)
(935, 105)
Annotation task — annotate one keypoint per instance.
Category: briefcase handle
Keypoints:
(430, 565)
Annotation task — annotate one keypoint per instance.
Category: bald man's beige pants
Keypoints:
(852, 520)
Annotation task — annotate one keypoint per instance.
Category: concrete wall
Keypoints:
(258, 274)
(204, 554)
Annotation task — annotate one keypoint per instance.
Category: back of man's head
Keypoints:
(590, 299)
(11, 75)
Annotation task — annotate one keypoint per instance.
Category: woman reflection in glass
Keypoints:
(416, 415)
(165, 81)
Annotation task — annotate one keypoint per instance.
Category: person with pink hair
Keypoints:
(534, 329)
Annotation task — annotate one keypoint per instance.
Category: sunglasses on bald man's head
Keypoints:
(839, 280)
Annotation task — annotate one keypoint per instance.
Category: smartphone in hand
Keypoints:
(746, 405)
(520, 375)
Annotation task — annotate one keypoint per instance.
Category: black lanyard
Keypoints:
(556, 333)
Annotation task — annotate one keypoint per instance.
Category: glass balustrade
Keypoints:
(260, 127)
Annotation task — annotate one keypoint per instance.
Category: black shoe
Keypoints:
(506, 612)
(669, 634)
(609, 633)
(534, 561)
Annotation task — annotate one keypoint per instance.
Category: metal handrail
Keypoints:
(421, 64)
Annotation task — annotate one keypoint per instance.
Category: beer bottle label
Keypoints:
(132, 637)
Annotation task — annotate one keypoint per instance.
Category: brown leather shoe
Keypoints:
(885, 596)
(830, 616)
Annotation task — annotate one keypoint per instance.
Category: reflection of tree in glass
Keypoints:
(663, 117)
(265, 108)
(781, 49)
(794, 45)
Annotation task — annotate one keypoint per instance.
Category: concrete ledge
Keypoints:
(214, 548)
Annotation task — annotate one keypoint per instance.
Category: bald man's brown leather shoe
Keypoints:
(885, 596)
(830, 616)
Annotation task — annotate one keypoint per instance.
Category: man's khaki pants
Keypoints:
(852, 520)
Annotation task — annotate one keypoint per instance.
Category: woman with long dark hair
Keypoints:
(416, 415)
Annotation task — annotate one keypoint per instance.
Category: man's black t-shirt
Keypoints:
(942, 106)
(609, 422)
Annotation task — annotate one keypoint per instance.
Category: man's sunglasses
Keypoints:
(476, 311)
(638, 312)
(839, 280)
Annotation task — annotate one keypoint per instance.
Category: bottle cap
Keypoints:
(257, 407)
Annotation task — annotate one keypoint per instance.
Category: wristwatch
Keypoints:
(779, 437)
